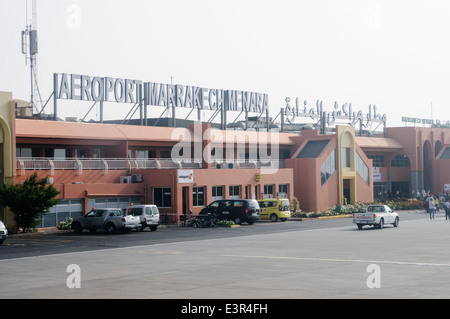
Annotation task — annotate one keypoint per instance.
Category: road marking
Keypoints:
(343, 260)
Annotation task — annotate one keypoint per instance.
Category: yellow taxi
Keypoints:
(274, 209)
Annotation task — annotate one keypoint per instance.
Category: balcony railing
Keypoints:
(106, 164)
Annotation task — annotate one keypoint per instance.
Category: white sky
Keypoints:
(392, 54)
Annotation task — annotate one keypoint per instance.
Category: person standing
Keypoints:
(431, 208)
(447, 209)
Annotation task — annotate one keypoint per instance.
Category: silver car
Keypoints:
(110, 219)
(3, 232)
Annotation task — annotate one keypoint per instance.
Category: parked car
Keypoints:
(148, 215)
(110, 219)
(3, 232)
(274, 209)
(377, 216)
(237, 210)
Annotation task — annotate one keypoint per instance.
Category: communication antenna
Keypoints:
(30, 49)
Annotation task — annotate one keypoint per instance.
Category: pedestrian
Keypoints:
(431, 208)
(447, 209)
(436, 203)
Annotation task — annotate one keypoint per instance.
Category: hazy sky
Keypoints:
(393, 54)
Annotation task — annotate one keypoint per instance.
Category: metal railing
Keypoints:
(106, 164)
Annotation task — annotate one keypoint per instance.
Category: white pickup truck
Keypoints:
(376, 215)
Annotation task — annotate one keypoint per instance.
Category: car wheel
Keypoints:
(381, 224)
(1, 242)
(396, 222)
(360, 226)
(274, 217)
(237, 221)
(77, 228)
(153, 228)
(110, 228)
(250, 222)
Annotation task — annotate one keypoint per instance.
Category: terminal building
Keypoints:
(184, 168)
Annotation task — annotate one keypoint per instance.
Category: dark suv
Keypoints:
(237, 210)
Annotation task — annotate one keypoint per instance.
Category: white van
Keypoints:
(148, 214)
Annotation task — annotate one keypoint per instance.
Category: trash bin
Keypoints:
(338, 208)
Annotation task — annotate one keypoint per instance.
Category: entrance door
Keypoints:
(349, 191)
(185, 192)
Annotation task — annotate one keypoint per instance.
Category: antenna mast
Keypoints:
(30, 48)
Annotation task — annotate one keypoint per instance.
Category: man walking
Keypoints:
(431, 208)
(447, 209)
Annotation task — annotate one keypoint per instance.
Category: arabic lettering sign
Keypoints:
(340, 113)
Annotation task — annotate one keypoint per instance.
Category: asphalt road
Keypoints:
(291, 260)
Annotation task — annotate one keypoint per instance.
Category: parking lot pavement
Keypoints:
(332, 260)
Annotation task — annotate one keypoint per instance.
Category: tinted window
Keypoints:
(239, 203)
(214, 204)
(135, 211)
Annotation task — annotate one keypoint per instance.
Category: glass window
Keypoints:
(377, 160)
(217, 192)
(162, 197)
(400, 161)
(346, 157)
(362, 168)
(199, 196)
(268, 190)
(234, 192)
(328, 168)
(24, 152)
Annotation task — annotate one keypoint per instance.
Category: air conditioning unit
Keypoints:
(136, 178)
(125, 179)
(230, 165)
(226, 165)
(50, 180)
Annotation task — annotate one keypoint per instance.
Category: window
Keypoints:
(268, 191)
(57, 153)
(199, 196)
(328, 168)
(162, 197)
(362, 168)
(378, 160)
(165, 154)
(145, 154)
(400, 190)
(283, 189)
(217, 192)
(400, 161)
(313, 149)
(346, 157)
(23, 152)
(379, 190)
(234, 192)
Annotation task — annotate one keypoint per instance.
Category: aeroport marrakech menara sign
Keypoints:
(108, 89)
